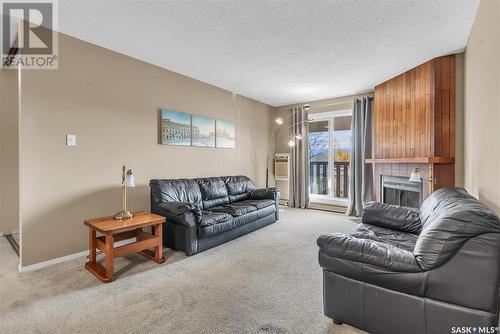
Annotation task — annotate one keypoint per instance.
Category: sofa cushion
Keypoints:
(450, 218)
(258, 203)
(234, 209)
(254, 215)
(392, 217)
(367, 251)
(177, 208)
(395, 238)
(210, 217)
(207, 231)
(213, 191)
(238, 187)
(175, 190)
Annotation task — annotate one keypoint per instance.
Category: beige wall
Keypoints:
(482, 106)
(111, 103)
(9, 152)
(280, 143)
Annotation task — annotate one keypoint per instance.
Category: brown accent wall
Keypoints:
(415, 117)
(415, 112)
(110, 101)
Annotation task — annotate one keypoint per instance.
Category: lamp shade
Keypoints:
(129, 181)
(415, 175)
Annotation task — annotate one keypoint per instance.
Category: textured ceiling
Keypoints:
(277, 52)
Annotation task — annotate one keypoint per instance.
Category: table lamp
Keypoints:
(127, 182)
(415, 175)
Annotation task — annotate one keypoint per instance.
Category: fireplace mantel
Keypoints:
(412, 160)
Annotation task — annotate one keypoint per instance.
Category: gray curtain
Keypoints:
(299, 161)
(361, 173)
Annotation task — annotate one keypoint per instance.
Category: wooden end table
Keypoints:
(115, 230)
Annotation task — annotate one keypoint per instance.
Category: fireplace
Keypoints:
(398, 190)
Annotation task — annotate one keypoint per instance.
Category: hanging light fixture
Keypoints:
(292, 140)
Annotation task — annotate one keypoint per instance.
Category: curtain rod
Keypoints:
(336, 103)
(292, 106)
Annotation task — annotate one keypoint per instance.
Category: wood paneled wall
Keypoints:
(444, 106)
(415, 112)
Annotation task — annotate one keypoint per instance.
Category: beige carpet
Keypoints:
(266, 282)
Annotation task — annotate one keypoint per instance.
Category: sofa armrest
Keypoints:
(268, 193)
(367, 251)
(265, 193)
(392, 217)
(178, 213)
(181, 230)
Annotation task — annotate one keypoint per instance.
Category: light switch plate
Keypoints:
(70, 140)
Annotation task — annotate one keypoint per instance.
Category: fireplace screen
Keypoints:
(398, 190)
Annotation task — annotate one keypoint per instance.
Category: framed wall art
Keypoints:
(175, 128)
(225, 134)
(203, 131)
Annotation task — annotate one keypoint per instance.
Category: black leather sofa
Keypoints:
(405, 271)
(206, 212)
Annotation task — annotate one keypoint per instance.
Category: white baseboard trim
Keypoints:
(331, 208)
(48, 263)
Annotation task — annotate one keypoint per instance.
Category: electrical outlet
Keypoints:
(70, 140)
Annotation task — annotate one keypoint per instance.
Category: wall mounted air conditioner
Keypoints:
(281, 166)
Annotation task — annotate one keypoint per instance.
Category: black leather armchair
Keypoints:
(205, 212)
(404, 271)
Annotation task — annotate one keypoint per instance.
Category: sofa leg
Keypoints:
(336, 322)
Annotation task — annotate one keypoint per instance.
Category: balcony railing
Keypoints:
(318, 178)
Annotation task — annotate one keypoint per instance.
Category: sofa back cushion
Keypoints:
(450, 217)
(175, 190)
(238, 187)
(213, 191)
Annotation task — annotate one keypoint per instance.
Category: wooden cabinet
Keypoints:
(414, 118)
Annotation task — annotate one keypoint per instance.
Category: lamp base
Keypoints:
(123, 215)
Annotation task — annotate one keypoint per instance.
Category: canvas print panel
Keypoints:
(225, 134)
(175, 128)
(203, 131)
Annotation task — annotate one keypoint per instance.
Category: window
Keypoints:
(329, 154)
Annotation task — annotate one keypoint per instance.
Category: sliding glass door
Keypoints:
(329, 154)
